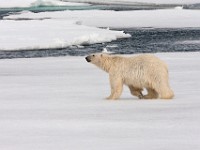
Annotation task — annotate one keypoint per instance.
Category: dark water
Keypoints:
(143, 40)
(160, 40)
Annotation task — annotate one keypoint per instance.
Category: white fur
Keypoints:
(139, 72)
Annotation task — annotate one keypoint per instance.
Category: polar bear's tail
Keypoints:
(166, 94)
(164, 90)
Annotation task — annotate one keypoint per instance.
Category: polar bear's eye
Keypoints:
(92, 55)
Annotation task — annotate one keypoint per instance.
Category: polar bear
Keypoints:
(137, 72)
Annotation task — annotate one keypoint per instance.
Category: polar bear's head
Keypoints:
(101, 60)
(95, 58)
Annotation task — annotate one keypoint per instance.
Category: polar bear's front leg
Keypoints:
(116, 85)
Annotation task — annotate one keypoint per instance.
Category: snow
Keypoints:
(58, 103)
(34, 3)
(40, 34)
(138, 1)
(30, 3)
(166, 18)
(66, 28)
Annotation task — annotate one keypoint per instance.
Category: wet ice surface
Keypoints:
(59, 103)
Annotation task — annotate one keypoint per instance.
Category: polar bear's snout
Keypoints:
(88, 59)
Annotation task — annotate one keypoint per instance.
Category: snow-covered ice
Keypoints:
(35, 3)
(66, 28)
(138, 1)
(28, 30)
(31, 3)
(40, 34)
(165, 18)
(58, 103)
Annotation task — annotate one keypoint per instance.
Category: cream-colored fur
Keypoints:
(138, 72)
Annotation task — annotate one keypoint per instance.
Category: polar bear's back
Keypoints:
(141, 70)
(145, 61)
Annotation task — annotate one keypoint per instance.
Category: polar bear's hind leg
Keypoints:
(152, 94)
(136, 91)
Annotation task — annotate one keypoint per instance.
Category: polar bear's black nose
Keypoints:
(88, 59)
